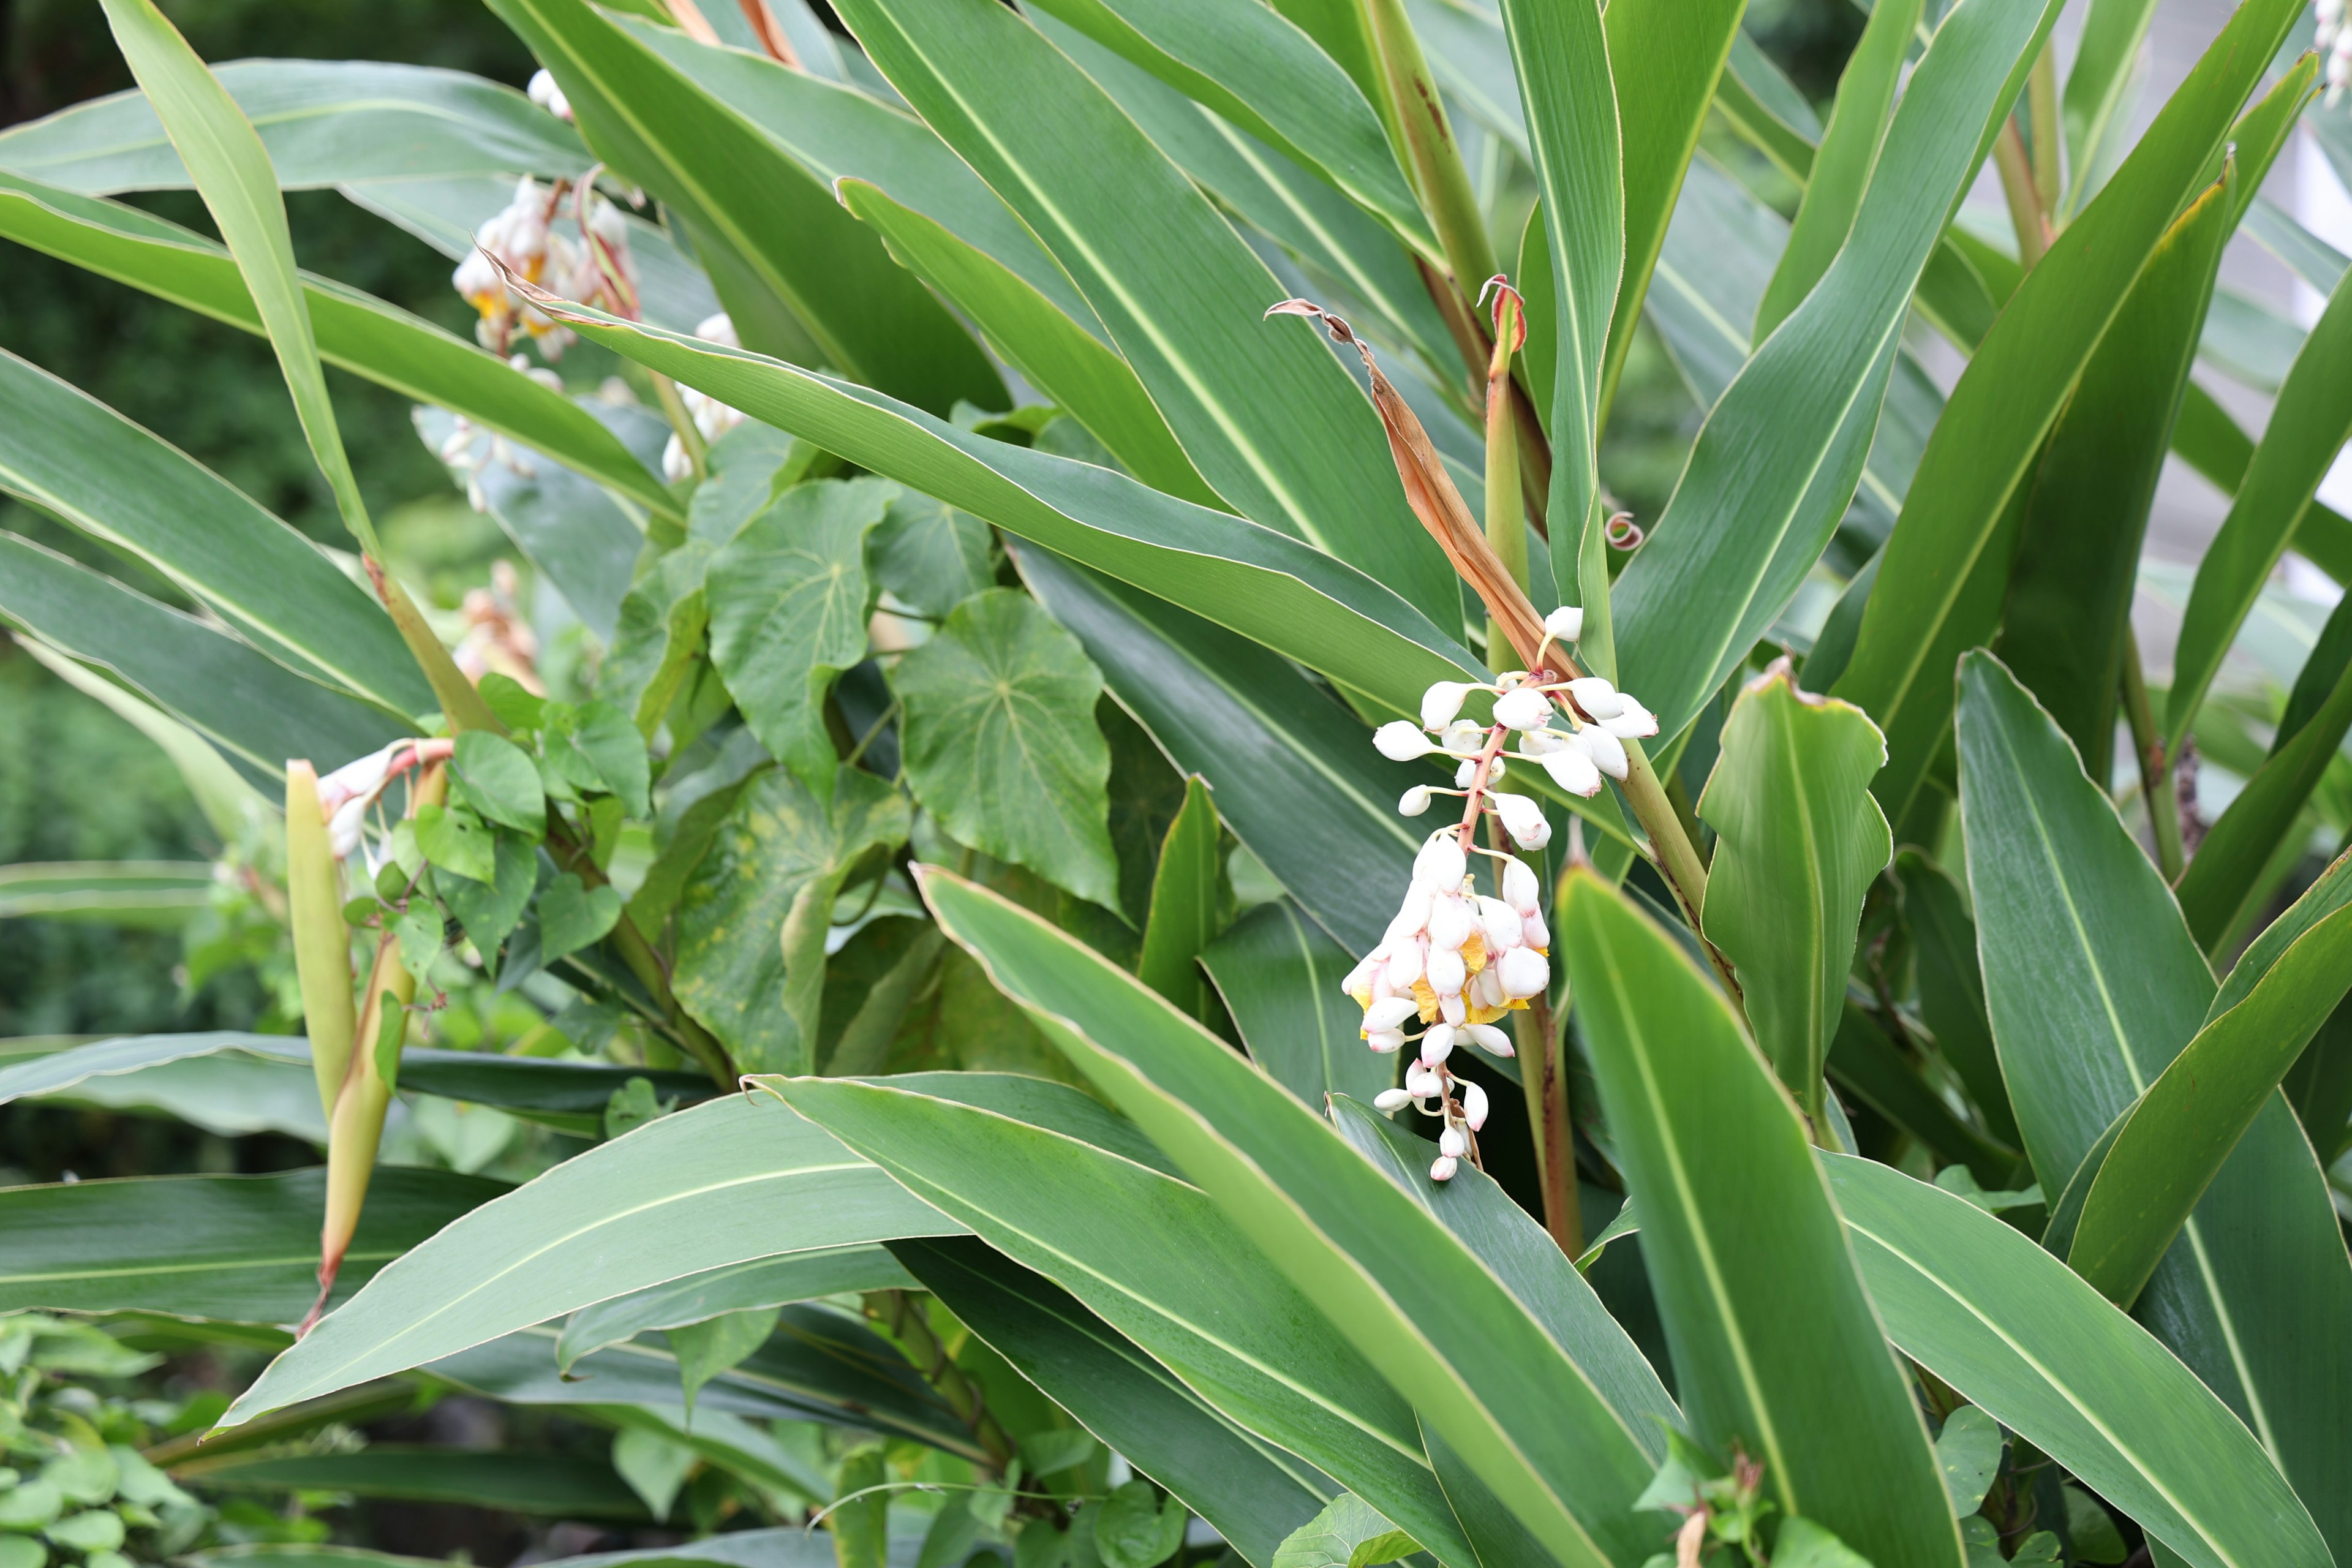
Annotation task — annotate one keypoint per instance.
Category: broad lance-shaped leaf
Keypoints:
(160, 893)
(356, 333)
(724, 1182)
(2106, 67)
(1271, 419)
(1978, 1304)
(1936, 595)
(1775, 1348)
(75, 457)
(255, 711)
(2094, 985)
(2178, 1133)
(1278, 974)
(788, 604)
(2070, 590)
(999, 742)
(1267, 586)
(733, 1287)
(323, 122)
(231, 1248)
(755, 909)
(1161, 1265)
(1801, 842)
(781, 230)
(1525, 1418)
(1778, 459)
(1183, 917)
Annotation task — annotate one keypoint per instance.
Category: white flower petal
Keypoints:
(1385, 1040)
(1520, 889)
(1447, 972)
(1597, 697)
(1573, 771)
(1440, 866)
(1392, 1100)
(1491, 1040)
(1474, 1106)
(1441, 702)
(1606, 752)
(1414, 802)
(1525, 708)
(1436, 1044)
(1389, 1014)
(1399, 742)
(1525, 973)
(1565, 623)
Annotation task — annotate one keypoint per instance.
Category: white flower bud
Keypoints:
(1442, 1169)
(543, 92)
(1524, 820)
(1474, 1106)
(1412, 918)
(1606, 752)
(1453, 1009)
(1389, 1014)
(1573, 771)
(1451, 1143)
(1414, 802)
(344, 828)
(1525, 973)
(1533, 932)
(1436, 1044)
(1399, 741)
(1450, 923)
(1385, 1040)
(1596, 696)
(1462, 735)
(1447, 974)
(1541, 743)
(1485, 987)
(1490, 1039)
(1392, 1100)
(1526, 709)
(1440, 866)
(1635, 722)
(1422, 1083)
(1565, 623)
(1464, 773)
(1520, 889)
(1499, 923)
(1407, 961)
(1441, 702)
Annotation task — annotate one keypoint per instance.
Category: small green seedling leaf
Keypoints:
(454, 839)
(1968, 1453)
(418, 927)
(497, 779)
(572, 916)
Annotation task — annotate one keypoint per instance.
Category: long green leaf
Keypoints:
(1279, 973)
(1799, 843)
(1182, 919)
(1870, 1066)
(75, 457)
(2094, 984)
(1158, 1261)
(1775, 1348)
(568, 1486)
(323, 122)
(231, 170)
(2179, 1134)
(1930, 601)
(161, 893)
(2014, 1329)
(1781, 454)
(1254, 1493)
(2070, 590)
(254, 709)
(1951, 985)
(2104, 61)
(2208, 439)
(722, 1183)
(870, 319)
(1525, 1418)
(734, 1288)
(234, 1248)
(1268, 415)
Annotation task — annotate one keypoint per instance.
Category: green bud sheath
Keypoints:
(322, 945)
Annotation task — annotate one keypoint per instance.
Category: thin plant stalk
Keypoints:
(1433, 156)
(1507, 528)
(2156, 785)
(2022, 192)
(2041, 109)
(1543, 1074)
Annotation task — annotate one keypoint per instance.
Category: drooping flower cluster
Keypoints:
(347, 794)
(711, 416)
(522, 240)
(2334, 41)
(470, 448)
(543, 92)
(1453, 959)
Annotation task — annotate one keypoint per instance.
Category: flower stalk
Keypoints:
(1507, 529)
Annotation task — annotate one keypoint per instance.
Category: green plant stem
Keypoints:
(1435, 158)
(1543, 1074)
(690, 435)
(1507, 528)
(1476, 347)
(2042, 102)
(902, 1318)
(2154, 767)
(2025, 201)
(1676, 857)
(461, 705)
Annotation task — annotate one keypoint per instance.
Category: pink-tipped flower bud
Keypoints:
(1399, 742)
(1436, 1044)
(1634, 722)
(1499, 923)
(1606, 752)
(1520, 889)
(1453, 1143)
(1524, 820)
(1450, 923)
(1491, 1040)
(1390, 1100)
(1414, 802)
(1389, 1014)
(1447, 974)
(1422, 1083)
(1573, 771)
(1474, 1106)
(1533, 932)
(1565, 623)
(1440, 866)
(1525, 708)
(1385, 1040)
(1442, 1169)
(1453, 1009)
(1525, 973)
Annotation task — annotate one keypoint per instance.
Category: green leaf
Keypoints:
(1775, 1348)
(2208, 440)
(1874, 1070)
(1138, 1527)
(566, 1486)
(2019, 1333)
(1742, 531)
(258, 712)
(455, 841)
(1001, 743)
(498, 781)
(714, 1345)
(490, 912)
(572, 916)
(1841, 164)
(728, 1442)
(356, 333)
(1278, 974)
(780, 228)
(759, 1282)
(654, 1466)
(1968, 1451)
(2070, 590)
(1160, 1264)
(1937, 590)
(1184, 916)
(928, 556)
(1801, 1544)
(162, 893)
(716, 1185)
(1951, 986)
(788, 602)
(1527, 1421)
(234, 1248)
(2106, 66)
(418, 929)
(1252, 1493)
(1268, 415)
(2094, 984)
(1799, 843)
(323, 122)
(753, 919)
(1294, 599)
(658, 635)
(615, 752)
(1348, 1533)
(2176, 1135)
(75, 457)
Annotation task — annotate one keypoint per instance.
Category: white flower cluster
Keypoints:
(2333, 40)
(711, 416)
(346, 796)
(1453, 959)
(548, 95)
(521, 238)
(469, 448)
